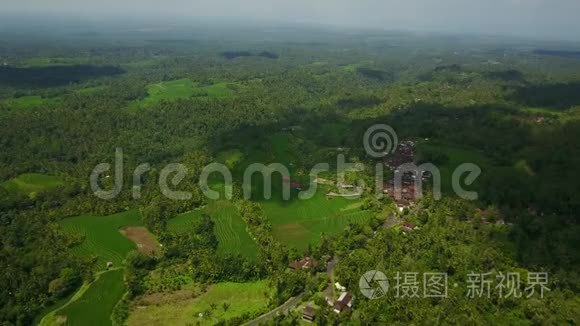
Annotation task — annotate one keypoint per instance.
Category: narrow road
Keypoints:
(391, 221)
(330, 266)
(283, 309)
(294, 301)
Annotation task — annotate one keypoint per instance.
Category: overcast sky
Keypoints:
(535, 18)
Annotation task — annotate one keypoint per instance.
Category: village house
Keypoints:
(405, 153)
(293, 184)
(344, 302)
(304, 263)
(328, 292)
(308, 314)
(407, 194)
(405, 197)
(408, 226)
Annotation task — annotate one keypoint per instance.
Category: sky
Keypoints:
(532, 18)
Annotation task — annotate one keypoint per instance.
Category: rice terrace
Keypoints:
(230, 229)
(185, 89)
(92, 304)
(100, 236)
(32, 183)
(231, 300)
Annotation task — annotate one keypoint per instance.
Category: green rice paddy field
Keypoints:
(184, 89)
(298, 223)
(241, 297)
(102, 237)
(230, 229)
(92, 304)
(27, 102)
(31, 183)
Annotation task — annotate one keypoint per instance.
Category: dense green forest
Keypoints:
(297, 96)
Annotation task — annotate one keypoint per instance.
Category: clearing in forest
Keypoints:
(92, 304)
(229, 228)
(101, 237)
(295, 222)
(230, 300)
(31, 183)
(299, 223)
(184, 89)
(29, 102)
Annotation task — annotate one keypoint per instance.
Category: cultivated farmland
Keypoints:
(28, 102)
(230, 229)
(239, 298)
(184, 89)
(298, 223)
(31, 183)
(92, 304)
(102, 236)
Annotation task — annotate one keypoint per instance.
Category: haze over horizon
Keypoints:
(529, 18)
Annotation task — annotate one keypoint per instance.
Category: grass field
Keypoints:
(184, 89)
(218, 90)
(102, 235)
(31, 183)
(230, 229)
(92, 304)
(44, 317)
(241, 297)
(298, 223)
(25, 102)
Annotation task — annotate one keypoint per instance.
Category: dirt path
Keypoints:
(283, 309)
(391, 221)
(49, 318)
